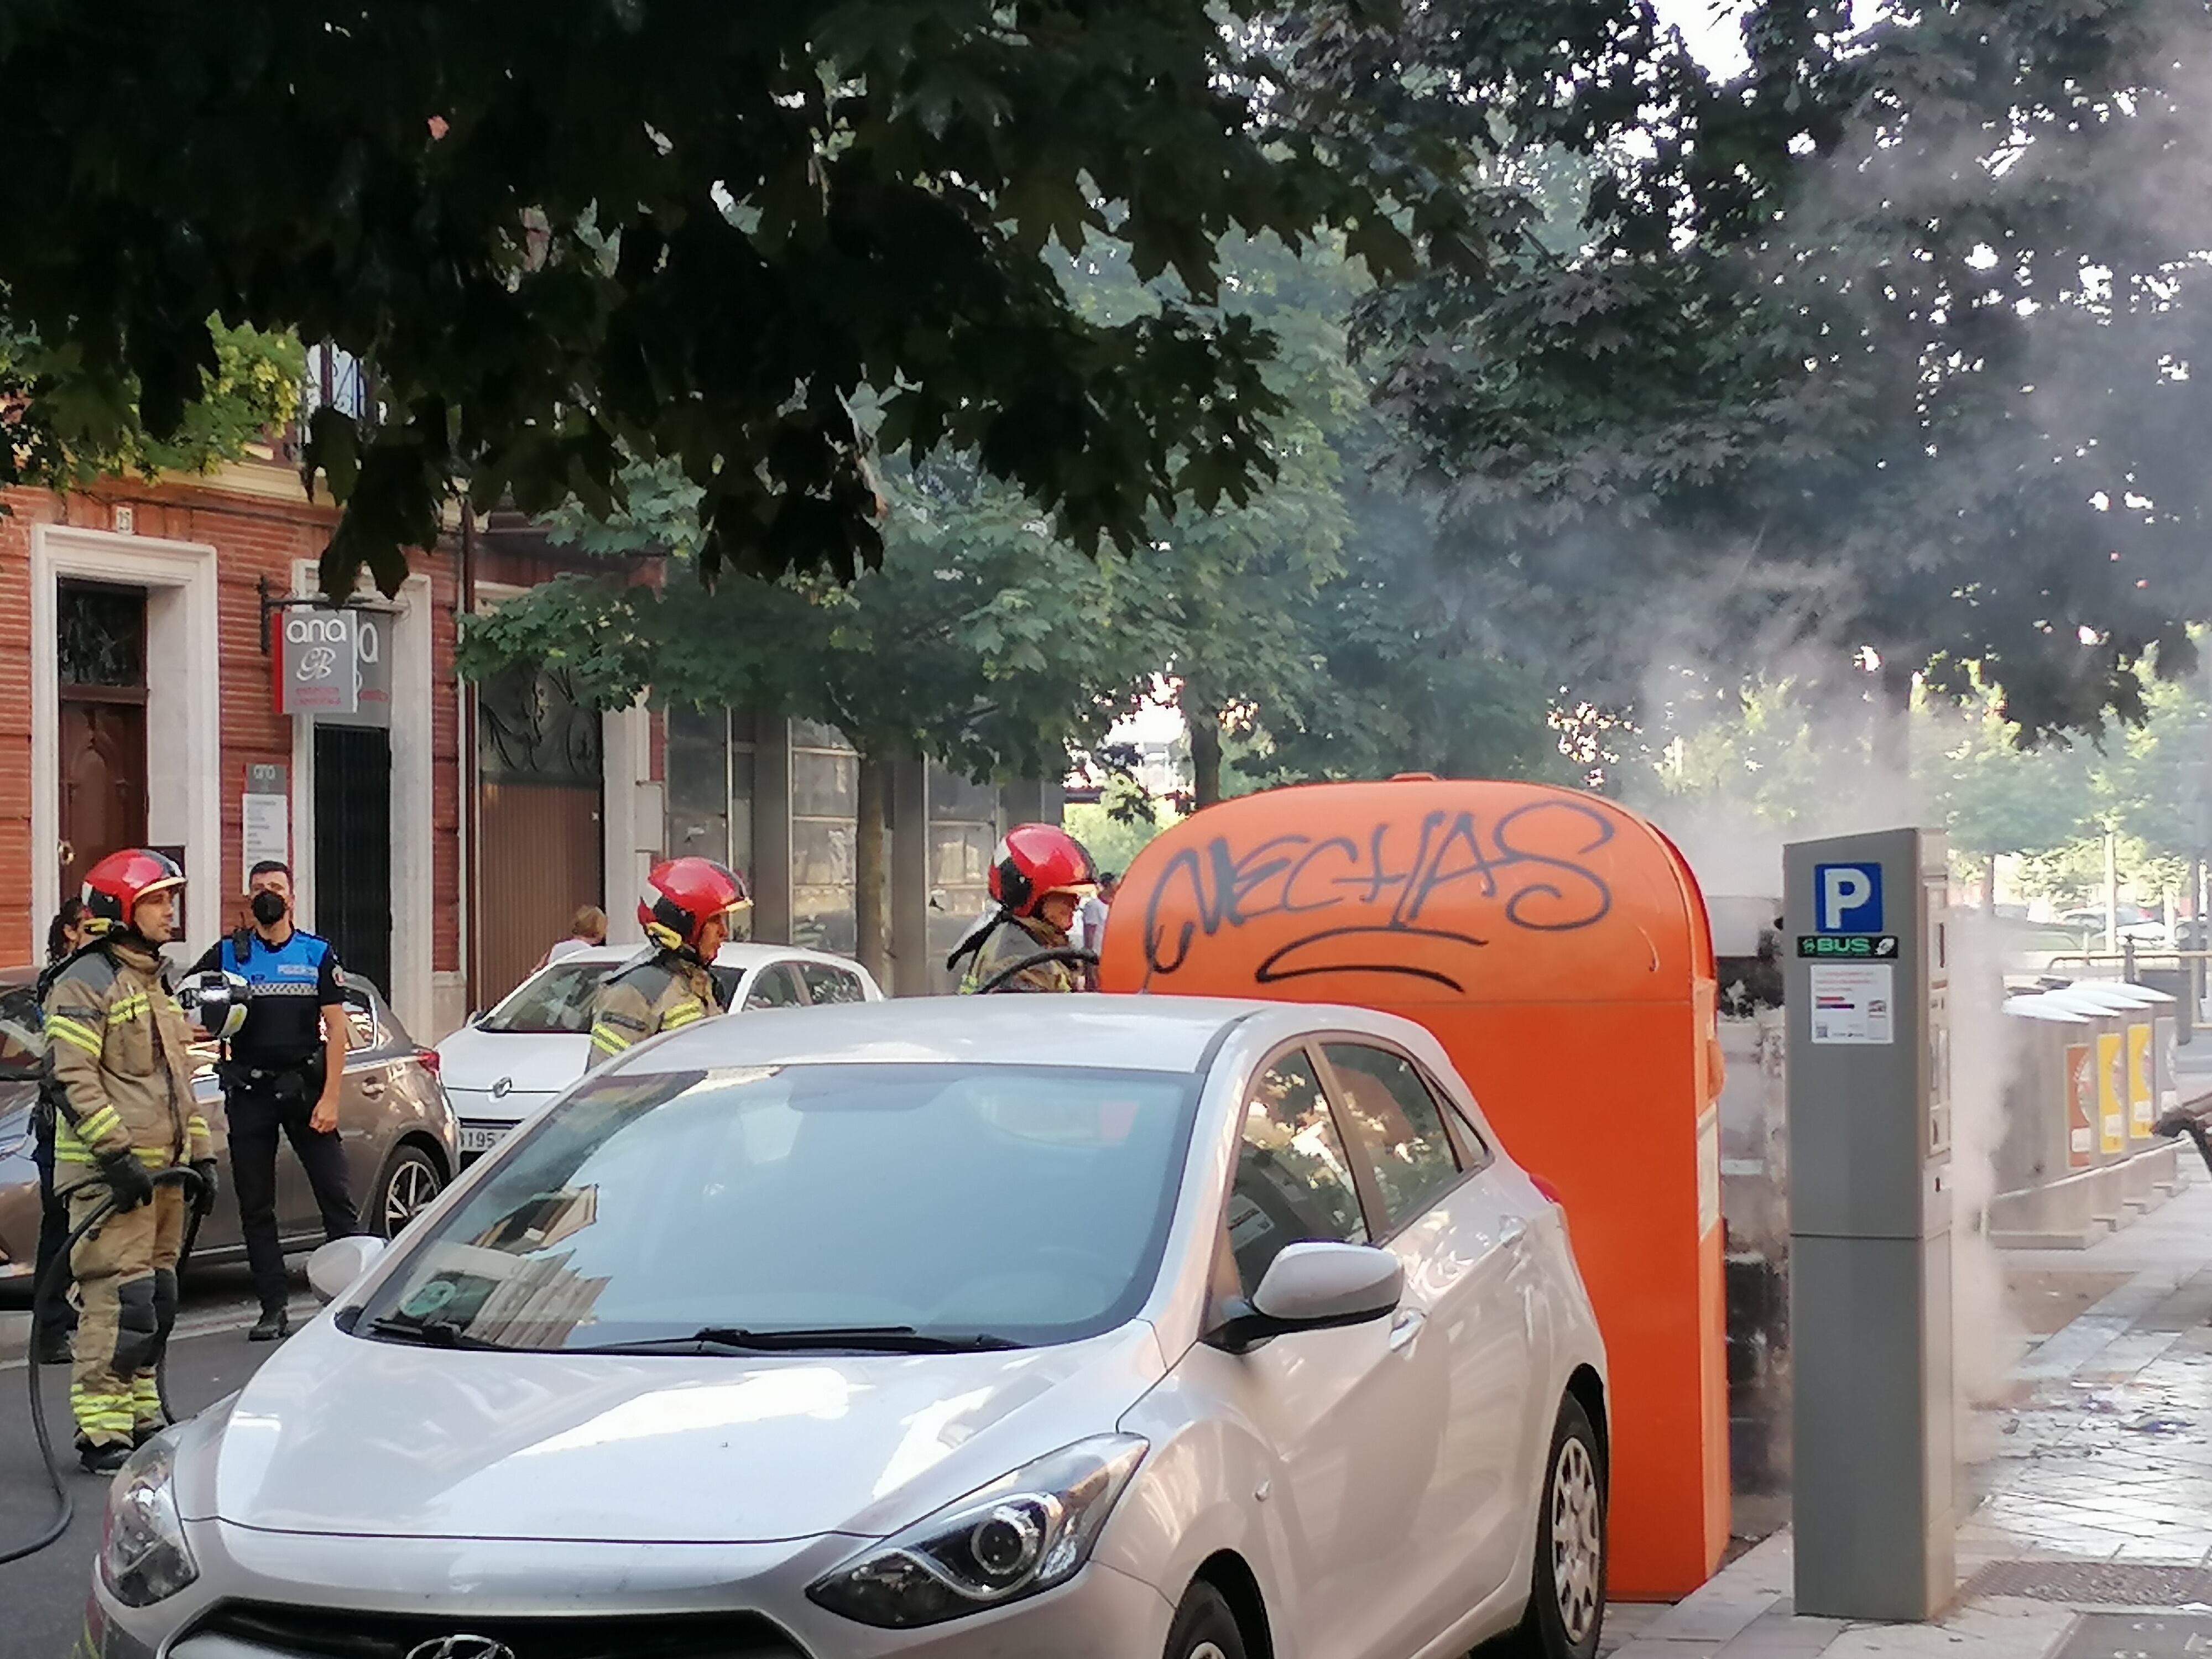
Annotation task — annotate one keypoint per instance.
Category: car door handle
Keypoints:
(374, 1086)
(1513, 1230)
(1406, 1328)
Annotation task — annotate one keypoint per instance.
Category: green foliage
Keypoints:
(250, 388)
(980, 642)
(584, 232)
(1113, 842)
(1888, 343)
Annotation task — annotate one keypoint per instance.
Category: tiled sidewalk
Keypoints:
(2103, 1455)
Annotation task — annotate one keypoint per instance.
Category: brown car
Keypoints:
(398, 1130)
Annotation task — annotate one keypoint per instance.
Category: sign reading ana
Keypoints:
(1847, 898)
(316, 669)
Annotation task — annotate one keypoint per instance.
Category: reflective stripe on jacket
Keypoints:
(663, 993)
(119, 1063)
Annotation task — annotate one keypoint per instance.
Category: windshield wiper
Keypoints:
(862, 1339)
(429, 1336)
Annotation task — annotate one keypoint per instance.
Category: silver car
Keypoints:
(1099, 1327)
(401, 1137)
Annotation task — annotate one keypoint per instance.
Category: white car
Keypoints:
(537, 1041)
(1094, 1327)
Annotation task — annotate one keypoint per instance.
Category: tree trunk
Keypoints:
(871, 907)
(1891, 739)
(1205, 759)
(1990, 884)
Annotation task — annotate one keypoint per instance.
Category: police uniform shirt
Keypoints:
(288, 988)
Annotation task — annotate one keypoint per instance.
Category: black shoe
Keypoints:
(57, 1350)
(103, 1460)
(274, 1325)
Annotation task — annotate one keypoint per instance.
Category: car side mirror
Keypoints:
(1314, 1286)
(336, 1268)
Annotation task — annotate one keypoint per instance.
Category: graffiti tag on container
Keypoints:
(1371, 901)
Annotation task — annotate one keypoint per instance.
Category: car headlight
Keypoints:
(143, 1557)
(1021, 1534)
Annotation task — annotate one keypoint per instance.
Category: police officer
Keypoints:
(282, 1073)
(686, 913)
(1039, 875)
(119, 1065)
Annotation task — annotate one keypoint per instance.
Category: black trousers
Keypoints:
(54, 1233)
(257, 1119)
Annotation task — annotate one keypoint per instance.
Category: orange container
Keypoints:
(1557, 945)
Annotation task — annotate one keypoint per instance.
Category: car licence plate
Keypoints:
(482, 1137)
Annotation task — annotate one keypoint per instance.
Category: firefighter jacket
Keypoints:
(120, 1065)
(1007, 942)
(663, 992)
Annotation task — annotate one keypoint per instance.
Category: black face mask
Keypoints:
(268, 908)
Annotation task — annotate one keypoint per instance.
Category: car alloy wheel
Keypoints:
(1566, 1589)
(1205, 1627)
(1577, 1541)
(409, 1188)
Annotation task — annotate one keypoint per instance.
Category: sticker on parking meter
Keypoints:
(1853, 1004)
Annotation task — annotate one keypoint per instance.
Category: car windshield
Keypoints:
(557, 1000)
(981, 1206)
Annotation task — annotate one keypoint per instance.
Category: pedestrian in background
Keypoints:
(281, 1076)
(1090, 930)
(587, 929)
(51, 1341)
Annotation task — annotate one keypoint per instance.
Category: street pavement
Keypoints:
(2088, 1525)
(42, 1599)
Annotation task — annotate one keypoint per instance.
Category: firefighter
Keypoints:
(120, 1065)
(1039, 875)
(686, 915)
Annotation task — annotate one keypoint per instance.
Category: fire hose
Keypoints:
(2184, 1123)
(42, 1299)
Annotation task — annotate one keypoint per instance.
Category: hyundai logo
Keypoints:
(498, 1093)
(461, 1645)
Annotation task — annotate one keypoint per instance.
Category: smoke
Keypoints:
(1732, 774)
(1986, 1339)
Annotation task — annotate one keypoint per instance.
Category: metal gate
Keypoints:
(353, 848)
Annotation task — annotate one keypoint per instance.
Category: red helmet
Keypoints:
(684, 895)
(114, 886)
(1036, 859)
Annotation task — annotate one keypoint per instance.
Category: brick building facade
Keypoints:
(135, 693)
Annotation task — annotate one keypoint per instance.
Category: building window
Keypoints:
(710, 791)
(824, 801)
(963, 832)
(102, 635)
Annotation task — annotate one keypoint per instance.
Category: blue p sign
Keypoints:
(1848, 897)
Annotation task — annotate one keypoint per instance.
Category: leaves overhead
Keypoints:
(1896, 341)
(731, 237)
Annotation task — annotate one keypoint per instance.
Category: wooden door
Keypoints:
(538, 847)
(103, 778)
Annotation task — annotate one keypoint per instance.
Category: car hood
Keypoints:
(531, 1063)
(342, 1435)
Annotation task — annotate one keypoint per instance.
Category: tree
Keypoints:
(1888, 345)
(763, 241)
(250, 389)
(980, 642)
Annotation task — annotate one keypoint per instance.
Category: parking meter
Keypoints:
(1867, 987)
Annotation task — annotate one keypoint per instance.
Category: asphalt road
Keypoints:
(43, 1597)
